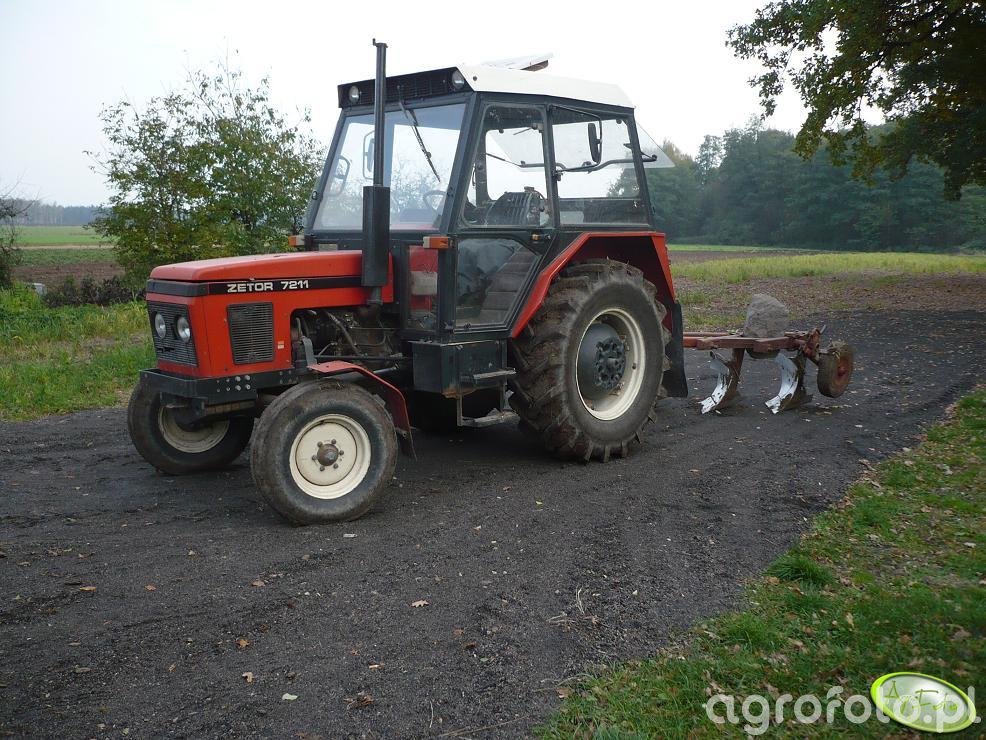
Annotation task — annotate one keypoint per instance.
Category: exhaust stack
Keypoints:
(376, 197)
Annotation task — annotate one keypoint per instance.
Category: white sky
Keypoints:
(62, 60)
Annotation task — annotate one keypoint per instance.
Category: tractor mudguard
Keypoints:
(391, 395)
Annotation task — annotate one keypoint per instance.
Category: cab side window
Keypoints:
(508, 184)
(594, 168)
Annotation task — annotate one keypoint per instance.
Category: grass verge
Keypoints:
(891, 579)
(55, 256)
(741, 270)
(56, 360)
(42, 236)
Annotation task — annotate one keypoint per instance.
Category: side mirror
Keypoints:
(368, 145)
(595, 144)
(337, 182)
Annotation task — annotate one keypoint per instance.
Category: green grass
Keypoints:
(57, 256)
(741, 270)
(45, 236)
(889, 580)
(721, 248)
(57, 360)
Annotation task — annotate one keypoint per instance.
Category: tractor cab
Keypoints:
(491, 171)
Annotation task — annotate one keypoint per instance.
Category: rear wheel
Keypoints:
(324, 451)
(177, 448)
(590, 363)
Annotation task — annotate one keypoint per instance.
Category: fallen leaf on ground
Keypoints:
(849, 620)
(258, 583)
(242, 643)
(563, 691)
(88, 589)
(248, 677)
(150, 587)
(362, 699)
(419, 602)
(960, 634)
(289, 697)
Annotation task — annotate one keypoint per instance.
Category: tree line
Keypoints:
(748, 186)
(35, 213)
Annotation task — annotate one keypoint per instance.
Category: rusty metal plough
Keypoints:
(835, 365)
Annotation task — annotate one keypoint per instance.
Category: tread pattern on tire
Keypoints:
(539, 395)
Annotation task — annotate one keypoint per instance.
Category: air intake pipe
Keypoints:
(376, 197)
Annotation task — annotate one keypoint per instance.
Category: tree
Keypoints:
(207, 171)
(11, 209)
(919, 62)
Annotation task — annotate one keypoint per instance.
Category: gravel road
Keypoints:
(143, 603)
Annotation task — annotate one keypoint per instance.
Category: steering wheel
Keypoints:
(443, 194)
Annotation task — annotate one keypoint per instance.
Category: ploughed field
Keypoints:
(486, 577)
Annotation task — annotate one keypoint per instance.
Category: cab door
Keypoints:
(505, 223)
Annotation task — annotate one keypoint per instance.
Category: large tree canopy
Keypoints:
(210, 170)
(922, 63)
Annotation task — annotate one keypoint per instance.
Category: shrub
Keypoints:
(89, 292)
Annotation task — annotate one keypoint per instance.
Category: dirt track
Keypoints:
(534, 570)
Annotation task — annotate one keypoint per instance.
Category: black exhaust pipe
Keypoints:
(376, 197)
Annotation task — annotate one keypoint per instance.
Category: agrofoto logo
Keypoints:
(915, 700)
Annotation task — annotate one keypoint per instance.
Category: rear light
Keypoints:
(296, 240)
(436, 242)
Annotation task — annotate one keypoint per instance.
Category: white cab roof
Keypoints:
(488, 78)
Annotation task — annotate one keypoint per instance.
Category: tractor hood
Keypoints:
(264, 267)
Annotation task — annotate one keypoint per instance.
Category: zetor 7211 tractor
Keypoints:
(480, 240)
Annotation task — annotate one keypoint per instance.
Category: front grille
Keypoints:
(171, 348)
(251, 332)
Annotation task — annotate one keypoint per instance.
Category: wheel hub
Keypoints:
(326, 453)
(602, 361)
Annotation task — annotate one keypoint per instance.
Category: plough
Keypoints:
(835, 365)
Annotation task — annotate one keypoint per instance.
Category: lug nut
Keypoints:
(321, 468)
(332, 442)
(336, 466)
(320, 444)
(314, 458)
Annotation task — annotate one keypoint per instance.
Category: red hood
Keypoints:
(264, 267)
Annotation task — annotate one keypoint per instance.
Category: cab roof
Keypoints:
(486, 78)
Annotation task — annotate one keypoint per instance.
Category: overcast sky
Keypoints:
(62, 60)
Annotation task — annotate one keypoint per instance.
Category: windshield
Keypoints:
(419, 151)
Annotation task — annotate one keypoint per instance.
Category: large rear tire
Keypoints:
(178, 449)
(590, 363)
(323, 452)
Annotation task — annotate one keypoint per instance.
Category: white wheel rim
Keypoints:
(193, 441)
(616, 403)
(330, 456)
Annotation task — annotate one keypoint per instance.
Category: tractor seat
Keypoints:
(522, 208)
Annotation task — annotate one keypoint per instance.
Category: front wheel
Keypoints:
(323, 452)
(176, 448)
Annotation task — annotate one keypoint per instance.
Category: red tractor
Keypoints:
(480, 247)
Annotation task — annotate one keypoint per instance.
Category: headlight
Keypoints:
(354, 94)
(183, 329)
(160, 325)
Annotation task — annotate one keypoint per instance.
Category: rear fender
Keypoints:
(644, 250)
(391, 395)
